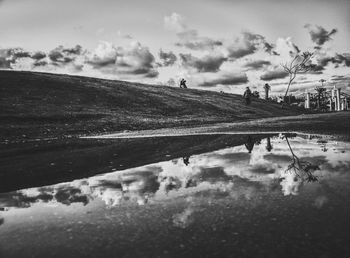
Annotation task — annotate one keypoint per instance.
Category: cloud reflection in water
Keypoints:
(237, 172)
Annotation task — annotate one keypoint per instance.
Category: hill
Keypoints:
(41, 105)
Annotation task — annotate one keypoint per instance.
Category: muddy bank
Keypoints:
(332, 124)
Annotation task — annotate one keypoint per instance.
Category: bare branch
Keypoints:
(299, 64)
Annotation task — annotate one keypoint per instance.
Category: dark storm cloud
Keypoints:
(190, 39)
(257, 64)
(225, 79)
(248, 44)
(208, 63)
(272, 75)
(320, 35)
(167, 58)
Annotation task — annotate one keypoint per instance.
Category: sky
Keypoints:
(221, 45)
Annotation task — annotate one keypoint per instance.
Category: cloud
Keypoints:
(274, 74)
(221, 78)
(38, 55)
(339, 78)
(257, 64)
(40, 63)
(337, 59)
(191, 40)
(184, 219)
(286, 48)
(133, 60)
(320, 35)
(68, 195)
(106, 58)
(10, 56)
(207, 63)
(171, 82)
(188, 37)
(62, 55)
(175, 22)
(104, 55)
(5, 61)
(248, 43)
(167, 58)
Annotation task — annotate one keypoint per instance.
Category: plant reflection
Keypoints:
(301, 168)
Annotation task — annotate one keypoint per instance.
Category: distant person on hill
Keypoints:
(247, 96)
(186, 160)
(183, 83)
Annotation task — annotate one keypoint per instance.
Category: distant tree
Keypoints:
(267, 88)
(299, 64)
(320, 91)
(322, 81)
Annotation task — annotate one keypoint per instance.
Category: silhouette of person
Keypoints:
(268, 145)
(183, 83)
(249, 144)
(186, 160)
(247, 96)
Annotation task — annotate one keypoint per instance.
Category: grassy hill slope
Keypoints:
(47, 105)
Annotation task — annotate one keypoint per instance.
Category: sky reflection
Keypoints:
(248, 171)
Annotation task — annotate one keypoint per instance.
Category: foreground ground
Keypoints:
(332, 124)
(41, 105)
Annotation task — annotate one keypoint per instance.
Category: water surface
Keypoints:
(239, 196)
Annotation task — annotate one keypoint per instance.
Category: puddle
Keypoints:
(245, 195)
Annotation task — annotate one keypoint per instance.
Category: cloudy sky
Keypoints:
(216, 45)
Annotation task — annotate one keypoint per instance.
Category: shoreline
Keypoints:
(338, 125)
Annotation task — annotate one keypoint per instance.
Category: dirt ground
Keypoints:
(333, 124)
